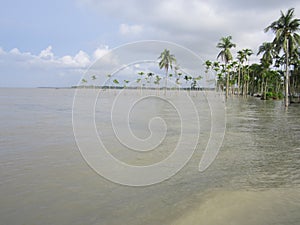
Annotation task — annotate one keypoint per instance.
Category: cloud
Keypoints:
(15, 51)
(44, 69)
(47, 53)
(126, 29)
(101, 51)
(48, 69)
(82, 59)
(196, 24)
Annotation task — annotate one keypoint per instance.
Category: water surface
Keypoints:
(255, 179)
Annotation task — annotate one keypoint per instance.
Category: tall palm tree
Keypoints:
(140, 80)
(166, 62)
(225, 45)
(267, 49)
(150, 75)
(188, 79)
(248, 52)
(157, 82)
(93, 79)
(216, 68)
(109, 78)
(197, 79)
(116, 82)
(208, 64)
(83, 81)
(233, 67)
(241, 56)
(125, 83)
(286, 39)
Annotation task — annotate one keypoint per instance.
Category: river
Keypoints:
(255, 178)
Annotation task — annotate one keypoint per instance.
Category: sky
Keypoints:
(53, 43)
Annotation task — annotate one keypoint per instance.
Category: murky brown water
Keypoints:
(255, 179)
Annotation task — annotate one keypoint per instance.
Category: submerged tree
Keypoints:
(125, 83)
(83, 81)
(225, 45)
(286, 39)
(157, 82)
(93, 79)
(241, 59)
(139, 80)
(108, 81)
(116, 82)
(166, 62)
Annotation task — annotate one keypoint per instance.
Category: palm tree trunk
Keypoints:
(265, 92)
(166, 82)
(287, 75)
(227, 82)
(239, 80)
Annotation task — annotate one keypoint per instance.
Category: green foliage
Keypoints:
(225, 45)
(274, 95)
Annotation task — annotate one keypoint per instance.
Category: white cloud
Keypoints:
(126, 29)
(101, 51)
(47, 53)
(48, 67)
(68, 60)
(15, 51)
(2, 51)
(82, 59)
(45, 69)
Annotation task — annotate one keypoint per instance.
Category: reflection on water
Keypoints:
(43, 179)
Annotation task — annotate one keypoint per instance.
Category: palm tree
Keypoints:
(150, 75)
(233, 67)
(267, 49)
(140, 80)
(248, 52)
(256, 78)
(286, 39)
(170, 76)
(157, 82)
(225, 45)
(187, 79)
(125, 83)
(241, 59)
(166, 62)
(197, 79)
(93, 79)
(208, 64)
(268, 52)
(109, 78)
(216, 68)
(178, 80)
(83, 81)
(116, 82)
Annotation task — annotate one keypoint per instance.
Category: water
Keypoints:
(255, 179)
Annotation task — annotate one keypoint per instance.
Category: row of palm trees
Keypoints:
(151, 80)
(275, 63)
(167, 62)
(272, 77)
